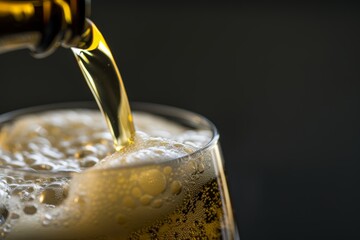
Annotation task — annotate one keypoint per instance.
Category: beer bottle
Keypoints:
(42, 25)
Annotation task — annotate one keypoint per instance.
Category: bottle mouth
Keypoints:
(64, 23)
(80, 10)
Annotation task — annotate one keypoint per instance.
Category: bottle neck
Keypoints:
(41, 25)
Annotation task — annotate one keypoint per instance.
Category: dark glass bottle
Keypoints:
(42, 25)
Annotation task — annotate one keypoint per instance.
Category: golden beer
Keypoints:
(60, 178)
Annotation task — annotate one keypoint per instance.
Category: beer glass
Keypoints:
(180, 198)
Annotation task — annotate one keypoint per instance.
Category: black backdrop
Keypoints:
(281, 82)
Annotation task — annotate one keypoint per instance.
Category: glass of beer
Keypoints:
(60, 177)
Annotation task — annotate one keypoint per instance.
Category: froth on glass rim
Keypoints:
(177, 115)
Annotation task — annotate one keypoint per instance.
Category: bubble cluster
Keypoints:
(61, 141)
(24, 195)
(199, 216)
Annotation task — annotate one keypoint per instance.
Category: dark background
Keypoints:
(281, 82)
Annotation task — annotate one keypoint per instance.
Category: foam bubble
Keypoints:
(30, 209)
(152, 182)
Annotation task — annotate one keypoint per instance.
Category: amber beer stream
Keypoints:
(61, 178)
(103, 77)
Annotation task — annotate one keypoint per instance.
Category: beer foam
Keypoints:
(71, 141)
(147, 149)
(159, 127)
(115, 188)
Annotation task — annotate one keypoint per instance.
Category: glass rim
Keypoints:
(152, 108)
